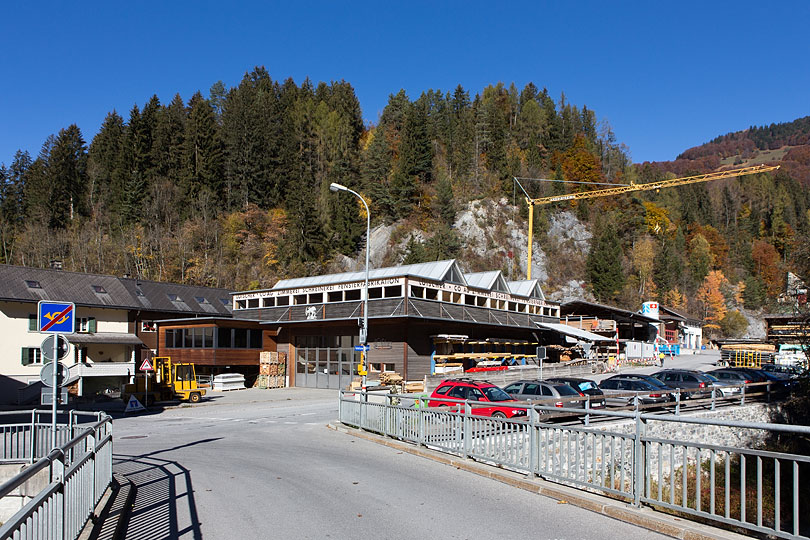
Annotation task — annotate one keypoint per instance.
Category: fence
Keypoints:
(746, 488)
(74, 475)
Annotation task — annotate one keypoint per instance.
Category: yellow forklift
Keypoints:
(168, 381)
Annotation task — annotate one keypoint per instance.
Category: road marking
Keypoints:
(291, 423)
(307, 414)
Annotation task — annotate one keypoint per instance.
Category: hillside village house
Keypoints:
(115, 325)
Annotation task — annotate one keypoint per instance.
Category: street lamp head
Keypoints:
(337, 187)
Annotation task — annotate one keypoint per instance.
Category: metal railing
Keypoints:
(75, 475)
(746, 488)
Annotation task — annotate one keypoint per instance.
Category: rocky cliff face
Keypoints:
(495, 237)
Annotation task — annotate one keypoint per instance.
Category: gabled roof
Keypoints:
(447, 271)
(159, 296)
(490, 281)
(528, 288)
(671, 314)
(23, 284)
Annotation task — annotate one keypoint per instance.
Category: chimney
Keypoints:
(56, 264)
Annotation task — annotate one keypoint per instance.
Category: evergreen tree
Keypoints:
(203, 145)
(604, 264)
(104, 165)
(415, 149)
(445, 203)
(67, 172)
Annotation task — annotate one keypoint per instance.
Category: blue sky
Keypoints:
(665, 75)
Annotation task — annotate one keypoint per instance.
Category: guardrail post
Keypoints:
(713, 393)
(742, 394)
(534, 440)
(363, 412)
(467, 429)
(768, 390)
(421, 420)
(587, 410)
(32, 457)
(678, 401)
(639, 454)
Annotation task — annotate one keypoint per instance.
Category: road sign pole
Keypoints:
(145, 391)
(55, 389)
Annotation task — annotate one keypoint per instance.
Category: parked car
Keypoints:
(650, 379)
(585, 387)
(483, 392)
(724, 387)
(732, 376)
(536, 390)
(794, 372)
(620, 391)
(692, 384)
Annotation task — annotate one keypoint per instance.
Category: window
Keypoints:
(32, 284)
(33, 323)
(300, 299)
(334, 296)
(283, 301)
(443, 390)
(138, 291)
(225, 301)
(545, 391)
(201, 300)
(240, 338)
(99, 289)
(431, 294)
(224, 338)
(353, 294)
(169, 336)
(269, 302)
(532, 389)
(255, 338)
(417, 292)
(393, 291)
(253, 303)
(86, 324)
(173, 297)
(513, 388)
(148, 326)
(208, 337)
(375, 292)
(315, 298)
(475, 394)
(31, 355)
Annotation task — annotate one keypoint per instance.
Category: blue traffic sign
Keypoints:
(56, 317)
(361, 348)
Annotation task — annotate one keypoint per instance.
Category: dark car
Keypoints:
(585, 387)
(620, 391)
(650, 379)
(492, 401)
(794, 372)
(553, 394)
(692, 384)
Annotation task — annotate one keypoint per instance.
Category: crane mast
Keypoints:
(592, 194)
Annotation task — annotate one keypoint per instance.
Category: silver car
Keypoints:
(542, 390)
(622, 392)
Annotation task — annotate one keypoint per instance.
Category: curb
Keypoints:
(112, 512)
(642, 517)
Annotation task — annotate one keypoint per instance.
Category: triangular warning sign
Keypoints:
(146, 366)
(134, 405)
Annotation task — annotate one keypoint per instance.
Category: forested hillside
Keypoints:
(232, 190)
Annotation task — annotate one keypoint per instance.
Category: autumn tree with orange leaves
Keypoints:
(712, 300)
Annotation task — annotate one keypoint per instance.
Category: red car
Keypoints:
(481, 391)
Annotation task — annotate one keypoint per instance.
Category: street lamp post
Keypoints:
(363, 329)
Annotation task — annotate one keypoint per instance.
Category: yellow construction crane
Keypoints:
(627, 188)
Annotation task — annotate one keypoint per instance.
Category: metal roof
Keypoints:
(580, 307)
(573, 332)
(490, 281)
(528, 288)
(105, 338)
(436, 271)
(24, 284)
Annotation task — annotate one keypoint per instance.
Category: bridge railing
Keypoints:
(634, 457)
(74, 476)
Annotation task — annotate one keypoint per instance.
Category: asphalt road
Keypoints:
(261, 464)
